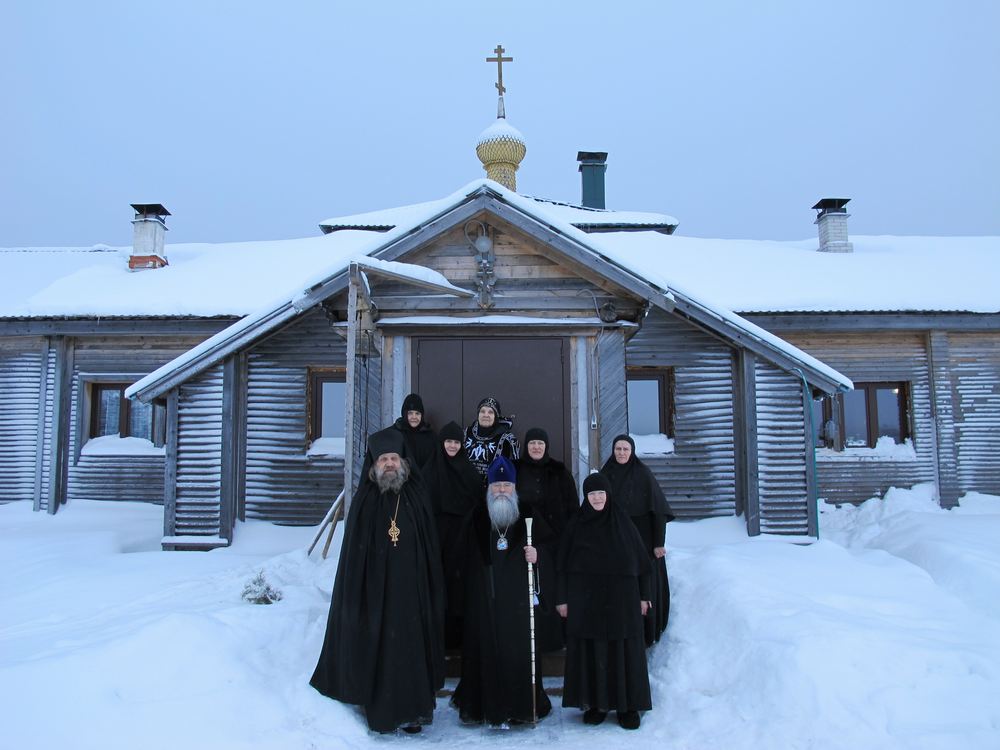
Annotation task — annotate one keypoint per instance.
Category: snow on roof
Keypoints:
(567, 212)
(268, 317)
(883, 274)
(203, 280)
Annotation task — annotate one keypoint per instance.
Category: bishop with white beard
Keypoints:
(495, 686)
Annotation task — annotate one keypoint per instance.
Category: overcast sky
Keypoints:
(256, 120)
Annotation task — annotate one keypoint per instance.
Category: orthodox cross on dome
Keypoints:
(500, 60)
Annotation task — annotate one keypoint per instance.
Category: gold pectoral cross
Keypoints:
(393, 532)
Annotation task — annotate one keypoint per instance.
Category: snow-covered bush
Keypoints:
(259, 591)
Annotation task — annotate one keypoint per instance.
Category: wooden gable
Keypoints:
(530, 278)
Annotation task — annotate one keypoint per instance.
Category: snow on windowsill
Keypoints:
(653, 445)
(886, 449)
(327, 447)
(113, 445)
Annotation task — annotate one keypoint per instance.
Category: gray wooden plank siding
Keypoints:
(975, 367)
(612, 405)
(283, 484)
(943, 404)
(117, 478)
(367, 398)
(21, 368)
(699, 478)
(852, 476)
(47, 413)
(781, 453)
(199, 456)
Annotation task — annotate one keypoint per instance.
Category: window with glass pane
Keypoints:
(874, 410)
(888, 410)
(113, 414)
(107, 410)
(140, 420)
(856, 419)
(649, 408)
(327, 403)
(332, 419)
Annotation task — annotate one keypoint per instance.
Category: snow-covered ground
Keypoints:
(884, 634)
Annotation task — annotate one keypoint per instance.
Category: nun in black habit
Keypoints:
(384, 648)
(420, 438)
(635, 488)
(455, 489)
(489, 436)
(546, 493)
(604, 591)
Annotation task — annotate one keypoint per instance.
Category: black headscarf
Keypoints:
(602, 542)
(499, 422)
(633, 484)
(454, 483)
(536, 433)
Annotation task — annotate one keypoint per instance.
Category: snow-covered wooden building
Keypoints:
(241, 380)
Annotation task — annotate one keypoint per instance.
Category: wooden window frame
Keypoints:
(316, 376)
(666, 390)
(93, 387)
(833, 409)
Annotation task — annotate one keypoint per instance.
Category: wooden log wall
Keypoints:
(699, 478)
(853, 476)
(131, 478)
(198, 457)
(21, 384)
(283, 483)
(612, 404)
(975, 371)
(783, 492)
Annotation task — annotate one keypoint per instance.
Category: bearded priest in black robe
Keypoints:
(496, 682)
(384, 645)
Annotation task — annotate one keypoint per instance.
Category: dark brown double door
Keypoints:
(529, 376)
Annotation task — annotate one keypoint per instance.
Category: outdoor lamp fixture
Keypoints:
(482, 244)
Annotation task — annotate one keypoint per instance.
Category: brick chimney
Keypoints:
(149, 230)
(593, 165)
(831, 218)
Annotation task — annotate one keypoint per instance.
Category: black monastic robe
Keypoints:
(383, 648)
(455, 489)
(547, 494)
(421, 441)
(495, 686)
(604, 575)
(636, 490)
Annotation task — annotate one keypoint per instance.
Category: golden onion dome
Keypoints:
(501, 148)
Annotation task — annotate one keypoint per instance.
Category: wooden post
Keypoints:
(40, 437)
(170, 465)
(59, 464)
(350, 438)
(748, 410)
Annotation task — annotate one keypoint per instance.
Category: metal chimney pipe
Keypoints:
(593, 165)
